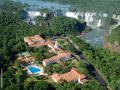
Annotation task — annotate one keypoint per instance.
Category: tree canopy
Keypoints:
(115, 36)
(66, 25)
(105, 62)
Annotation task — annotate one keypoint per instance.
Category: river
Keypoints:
(94, 37)
(37, 4)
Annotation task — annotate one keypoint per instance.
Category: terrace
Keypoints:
(28, 63)
(25, 57)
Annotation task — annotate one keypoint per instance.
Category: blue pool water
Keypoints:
(34, 69)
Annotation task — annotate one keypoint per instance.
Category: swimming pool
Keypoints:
(33, 69)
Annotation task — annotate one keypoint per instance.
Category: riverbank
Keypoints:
(95, 36)
(91, 68)
(112, 39)
(106, 62)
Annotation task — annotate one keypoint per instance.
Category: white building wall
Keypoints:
(44, 63)
(79, 81)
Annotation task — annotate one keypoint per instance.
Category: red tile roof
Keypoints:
(34, 40)
(73, 75)
(57, 57)
(37, 41)
(38, 44)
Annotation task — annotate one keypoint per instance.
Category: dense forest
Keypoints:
(115, 36)
(112, 41)
(61, 25)
(107, 63)
(12, 31)
(108, 6)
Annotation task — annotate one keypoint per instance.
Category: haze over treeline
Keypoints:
(111, 6)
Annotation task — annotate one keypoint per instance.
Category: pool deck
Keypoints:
(41, 72)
